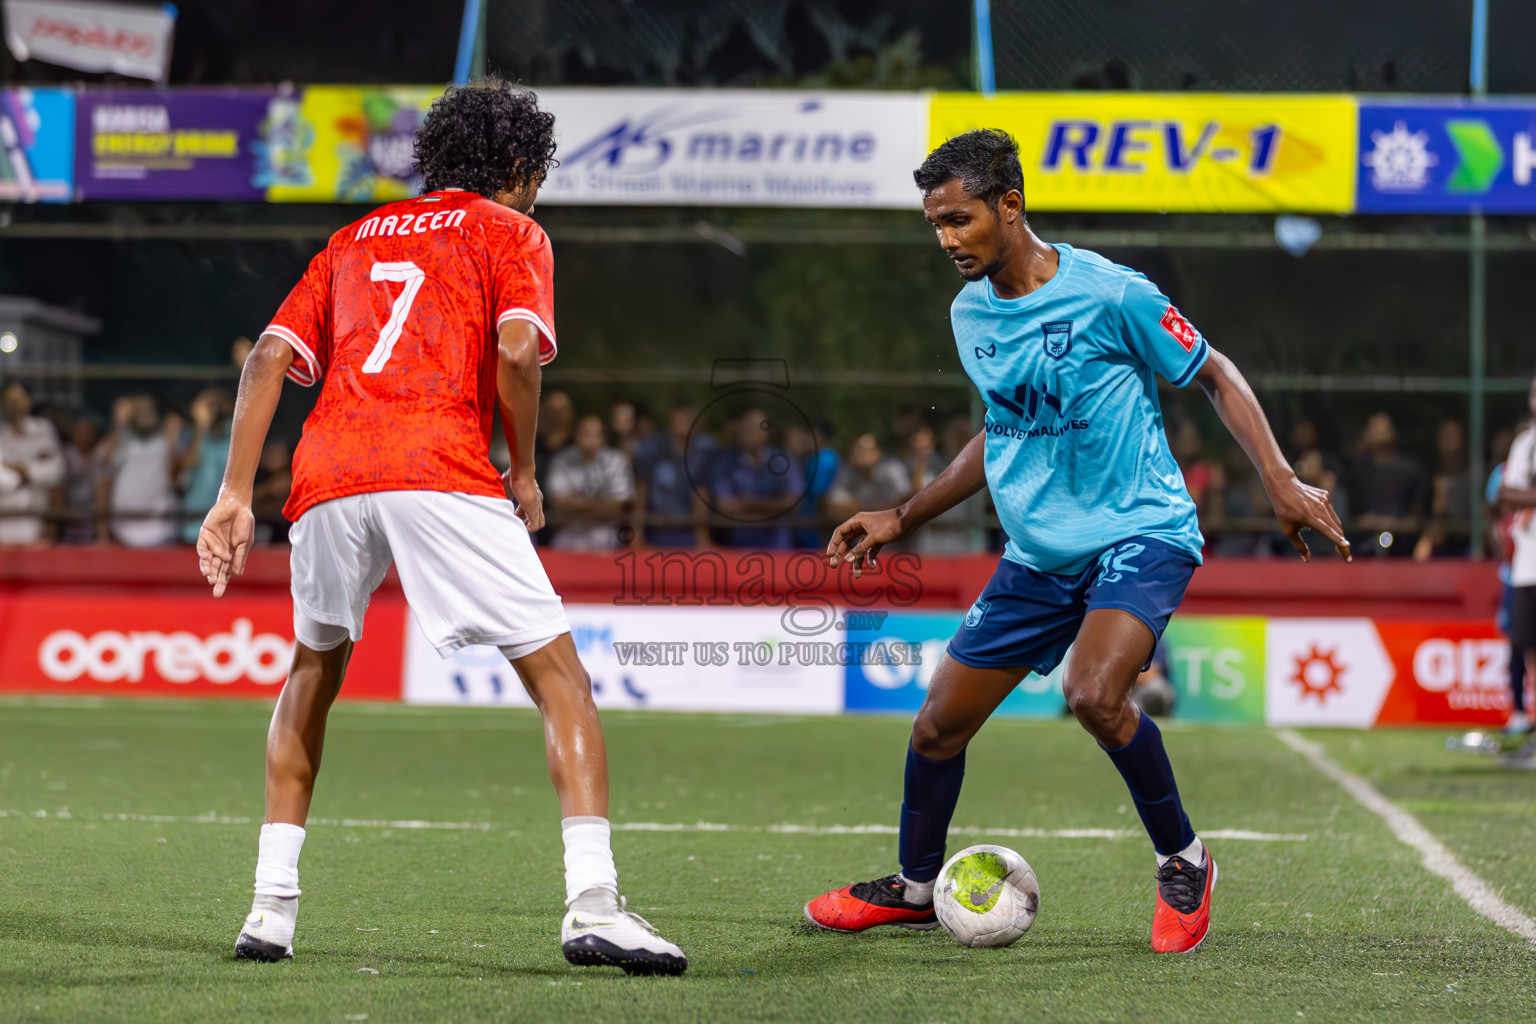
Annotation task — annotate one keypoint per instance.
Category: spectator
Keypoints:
(1312, 469)
(1387, 491)
(1450, 497)
(553, 434)
(557, 417)
(1305, 438)
(668, 470)
(819, 464)
(754, 483)
(199, 467)
(274, 479)
(32, 467)
(869, 480)
(83, 476)
(623, 427)
(137, 455)
(1240, 508)
(948, 533)
(589, 484)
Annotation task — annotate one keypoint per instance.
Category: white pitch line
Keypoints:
(656, 826)
(1437, 858)
(221, 819)
(891, 830)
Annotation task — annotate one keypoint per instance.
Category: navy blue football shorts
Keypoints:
(1030, 618)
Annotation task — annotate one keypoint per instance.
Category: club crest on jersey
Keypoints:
(1182, 330)
(1057, 337)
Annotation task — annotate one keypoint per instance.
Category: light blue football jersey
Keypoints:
(1076, 459)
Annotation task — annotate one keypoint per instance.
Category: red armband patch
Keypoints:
(1182, 330)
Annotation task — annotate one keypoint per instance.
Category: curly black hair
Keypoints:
(986, 161)
(484, 136)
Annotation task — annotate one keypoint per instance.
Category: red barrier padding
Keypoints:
(1448, 589)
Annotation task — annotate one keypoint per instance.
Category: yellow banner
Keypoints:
(1176, 152)
(350, 143)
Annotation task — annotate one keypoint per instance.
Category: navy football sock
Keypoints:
(1517, 679)
(1143, 763)
(932, 789)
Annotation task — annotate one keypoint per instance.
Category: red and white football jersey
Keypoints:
(398, 316)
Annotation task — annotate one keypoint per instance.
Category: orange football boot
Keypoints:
(854, 908)
(1183, 905)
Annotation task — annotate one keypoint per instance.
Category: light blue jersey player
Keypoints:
(1066, 348)
(1076, 459)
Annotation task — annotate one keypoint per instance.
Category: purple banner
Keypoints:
(159, 144)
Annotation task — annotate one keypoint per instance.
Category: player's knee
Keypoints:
(931, 740)
(1092, 697)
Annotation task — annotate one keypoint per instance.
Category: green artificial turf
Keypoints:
(103, 918)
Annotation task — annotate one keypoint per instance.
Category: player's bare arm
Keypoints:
(1297, 505)
(517, 389)
(229, 528)
(861, 537)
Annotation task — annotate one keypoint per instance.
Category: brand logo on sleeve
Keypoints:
(1182, 330)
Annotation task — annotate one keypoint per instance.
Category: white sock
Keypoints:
(277, 860)
(1194, 853)
(916, 892)
(588, 856)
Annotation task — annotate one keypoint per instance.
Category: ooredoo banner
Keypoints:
(172, 645)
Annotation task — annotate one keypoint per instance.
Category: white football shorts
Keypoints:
(466, 563)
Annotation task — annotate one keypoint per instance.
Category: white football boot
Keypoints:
(598, 931)
(267, 934)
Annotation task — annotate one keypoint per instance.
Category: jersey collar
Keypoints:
(1066, 255)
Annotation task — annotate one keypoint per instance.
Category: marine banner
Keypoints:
(172, 144)
(1170, 152)
(676, 147)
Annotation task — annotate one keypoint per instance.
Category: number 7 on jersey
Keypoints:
(413, 277)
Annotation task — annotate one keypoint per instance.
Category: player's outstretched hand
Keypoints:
(859, 539)
(224, 541)
(525, 493)
(1299, 506)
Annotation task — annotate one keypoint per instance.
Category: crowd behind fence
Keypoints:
(624, 476)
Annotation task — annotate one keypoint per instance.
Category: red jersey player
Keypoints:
(414, 320)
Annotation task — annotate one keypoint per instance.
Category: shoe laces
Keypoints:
(1181, 884)
(891, 886)
(642, 922)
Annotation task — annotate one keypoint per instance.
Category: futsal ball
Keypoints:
(986, 896)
